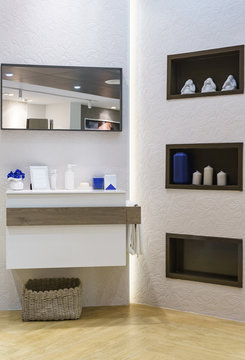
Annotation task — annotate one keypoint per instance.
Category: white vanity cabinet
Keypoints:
(54, 229)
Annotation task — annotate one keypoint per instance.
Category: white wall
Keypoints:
(167, 27)
(36, 111)
(60, 114)
(14, 114)
(75, 115)
(65, 32)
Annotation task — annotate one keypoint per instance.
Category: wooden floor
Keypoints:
(136, 332)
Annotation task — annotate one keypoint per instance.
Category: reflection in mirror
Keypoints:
(61, 98)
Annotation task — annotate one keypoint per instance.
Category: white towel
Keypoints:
(134, 236)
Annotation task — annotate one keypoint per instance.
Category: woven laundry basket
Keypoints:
(52, 299)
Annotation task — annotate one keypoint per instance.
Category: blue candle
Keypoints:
(181, 168)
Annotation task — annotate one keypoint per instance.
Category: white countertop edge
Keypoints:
(58, 192)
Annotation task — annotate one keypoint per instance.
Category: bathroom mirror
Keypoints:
(61, 98)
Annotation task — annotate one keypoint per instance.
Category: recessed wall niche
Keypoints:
(200, 65)
(227, 157)
(208, 259)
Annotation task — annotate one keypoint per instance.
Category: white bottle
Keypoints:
(53, 179)
(69, 177)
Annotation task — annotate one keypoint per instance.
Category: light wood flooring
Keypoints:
(135, 332)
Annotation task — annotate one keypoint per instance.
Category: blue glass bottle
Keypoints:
(181, 168)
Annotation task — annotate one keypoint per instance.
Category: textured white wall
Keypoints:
(66, 32)
(166, 27)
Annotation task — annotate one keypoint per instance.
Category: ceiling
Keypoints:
(42, 95)
(91, 80)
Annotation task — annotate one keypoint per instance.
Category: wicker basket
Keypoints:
(52, 299)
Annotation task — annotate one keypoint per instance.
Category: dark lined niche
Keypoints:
(207, 259)
(227, 157)
(200, 65)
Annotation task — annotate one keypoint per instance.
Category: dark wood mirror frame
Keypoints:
(93, 89)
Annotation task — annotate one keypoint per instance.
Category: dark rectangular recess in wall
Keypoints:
(208, 259)
(200, 65)
(227, 157)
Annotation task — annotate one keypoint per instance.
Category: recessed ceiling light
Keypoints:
(113, 82)
(9, 74)
(10, 94)
(77, 87)
(7, 94)
(113, 107)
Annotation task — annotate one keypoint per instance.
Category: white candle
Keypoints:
(196, 178)
(221, 178)
(208, 175)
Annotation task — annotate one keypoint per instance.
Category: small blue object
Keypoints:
(181, 168)
(98, 183)
(110, 187)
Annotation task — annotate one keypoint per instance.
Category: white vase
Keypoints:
(16, 184)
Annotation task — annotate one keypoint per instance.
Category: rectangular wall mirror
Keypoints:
(61, 98)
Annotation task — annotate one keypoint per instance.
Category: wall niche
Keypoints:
(207, 259)
(227, 157)
(200, 65)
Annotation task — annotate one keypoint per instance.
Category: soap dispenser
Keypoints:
(69, 177)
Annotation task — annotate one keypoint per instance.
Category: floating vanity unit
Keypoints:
(52, 229)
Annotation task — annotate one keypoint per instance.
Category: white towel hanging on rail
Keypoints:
(134, 236)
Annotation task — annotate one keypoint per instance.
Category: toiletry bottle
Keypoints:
(69, 177)
(53, 179)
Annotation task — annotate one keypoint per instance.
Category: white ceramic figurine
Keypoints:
(188, 88)
(208, 86)
(229, 84)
